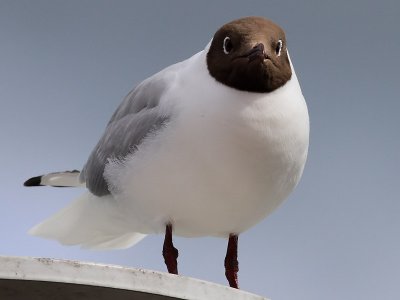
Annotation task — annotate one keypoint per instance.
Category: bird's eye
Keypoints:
(278, 48)
(227, 45)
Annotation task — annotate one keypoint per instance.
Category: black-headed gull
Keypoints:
(206, 147)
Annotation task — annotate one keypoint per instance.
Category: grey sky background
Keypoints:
(66, 65)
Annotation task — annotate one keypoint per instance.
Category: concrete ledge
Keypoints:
(45, 278)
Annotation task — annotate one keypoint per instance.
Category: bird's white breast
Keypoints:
(225, 161)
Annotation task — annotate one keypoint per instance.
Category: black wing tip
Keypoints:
(34, 181)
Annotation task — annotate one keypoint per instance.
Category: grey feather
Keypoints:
(137, 116)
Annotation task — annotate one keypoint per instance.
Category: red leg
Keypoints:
(231, 261)
(170, 253)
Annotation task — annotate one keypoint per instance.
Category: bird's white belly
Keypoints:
(207, 179)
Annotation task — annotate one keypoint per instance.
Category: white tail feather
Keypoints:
(62, 179)
(89, 221)
(58, 179)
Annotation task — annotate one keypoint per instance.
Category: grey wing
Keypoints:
(137, 116)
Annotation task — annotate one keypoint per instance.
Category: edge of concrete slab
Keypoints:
(115, 277)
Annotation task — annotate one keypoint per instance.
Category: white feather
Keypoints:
(67, 179)
(90, 221)
(225, 161)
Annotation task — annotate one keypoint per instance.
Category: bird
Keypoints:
(208, 146)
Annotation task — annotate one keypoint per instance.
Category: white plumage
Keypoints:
(225, 161)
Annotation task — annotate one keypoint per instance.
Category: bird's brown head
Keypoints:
(250, 54)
